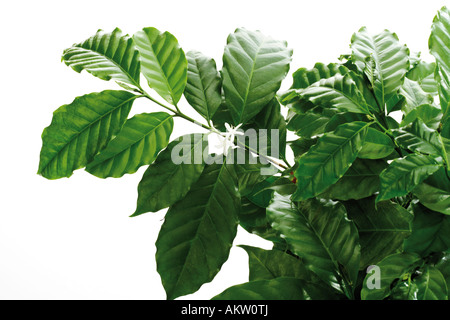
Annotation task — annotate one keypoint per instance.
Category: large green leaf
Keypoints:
(377, 145)
(253, 67)
(383, 59)
(430, 231)
(106, 56)
(166, 181)
(198, 231)
(439, 44)
(414, 96)
(339, 92)
(417, 137)
(310, 123)
(434, 192)
(423, 74)
(303, 77)
(80, 130)
(203, 88)
(322, 236)
(327, 161)
(163, 63)
(392, 267)
(404, 174)
(283, 288)
(428, 113)
(271, 264)
(382, 230)
(444, 267)
(137, 144)
(431, 285)
(360, 181)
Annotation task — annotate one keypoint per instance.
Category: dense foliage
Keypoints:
(362, 213)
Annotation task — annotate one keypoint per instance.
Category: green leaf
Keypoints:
(301, 146)
(80, 130)
(303, 77)
(444, 267)
(106, 56)
(165, 182)
(423, 74)
(275, 289)
(434, 192)
(137, 144)
(382, 230)
(430, 231)
(404, 174)
(383, 59)
(360, 181)
(261, 195)
(322, 236)
(198, 231)
(431, 285)
(417, 137)
(311, 123)
(163, 63)
(439, 44)
(377, 145)
(339, 92)
(203, 88)
(428, 113)
(253, 67)
(249, 174)
(393, 267)
(344, 117)
(414, 96)
(272, 264)
(327, 161)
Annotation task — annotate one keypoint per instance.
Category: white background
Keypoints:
(72, 238)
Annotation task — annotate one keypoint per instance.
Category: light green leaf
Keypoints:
(430, 231)
(137, 144)
(383, 59)
(203, 88)
(253, 67)
(322, 236)
(404, 174)
(303, 77)
(106, 56)
(163, 63)
(377, 145)
(165, 182)
(423, 74)
(360, 181)
(434, 192)
(414, 96)
(431, 285)
(80, 130)
(428, 113)
(327, 161)
(439, 44)
(198, 231)
(393, 267)
(382, 230)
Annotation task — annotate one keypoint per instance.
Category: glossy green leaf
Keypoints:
(414, 96)
(275, 289)
(431, 285)
(434, 192)
(166, 181)
(430, 231)
(261, 195)
(106, 56)
(439, 44)
(80, 130)
(272, 264)
(253, 67)
(360, 181)
(163, 63)
(249, 172)
(382, 230)
(339, 92)
(322, 236)
(303, 77)
(377, 145)
(392, 267)
(137, 144)
(423, 74)
(301, 146)
(311, 123)
(404, 174)
(327, 161)
(383, 59)
(444, 267)
(428, 113)
(203, 88)
(198, 231)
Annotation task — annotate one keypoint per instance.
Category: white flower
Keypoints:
(227, 138)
